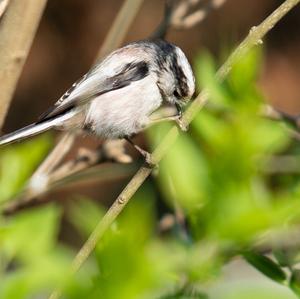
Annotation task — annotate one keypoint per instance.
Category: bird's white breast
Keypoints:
(125, 111)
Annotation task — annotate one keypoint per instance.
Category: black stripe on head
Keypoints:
(182, 89)
(166, 59)
(167, 53)
(164, 51)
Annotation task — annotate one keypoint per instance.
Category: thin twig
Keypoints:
(275, 114)
(100, 173)
(109, 151)
(17, 30)
(182, 19)
(254, 38)
(293, 121)
(184, 14)
(165, 24)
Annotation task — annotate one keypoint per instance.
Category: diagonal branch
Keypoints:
(15, 45)
(254, 37)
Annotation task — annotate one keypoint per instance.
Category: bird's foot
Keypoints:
(181, 123)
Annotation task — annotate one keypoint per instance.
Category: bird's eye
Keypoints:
(176, 94)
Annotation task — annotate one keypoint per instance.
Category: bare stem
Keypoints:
(254, 38)
(17, 30)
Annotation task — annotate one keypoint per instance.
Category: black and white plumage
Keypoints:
(117, 96)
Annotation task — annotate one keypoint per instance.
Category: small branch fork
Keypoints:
(191, 12)
(184, 14)
(254, 37)
(43, 182)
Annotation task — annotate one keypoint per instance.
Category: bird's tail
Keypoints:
(32, 130)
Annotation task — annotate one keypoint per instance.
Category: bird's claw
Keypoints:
(180, 120)
(182, 124)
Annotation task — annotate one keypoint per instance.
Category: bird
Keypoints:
(116, 97)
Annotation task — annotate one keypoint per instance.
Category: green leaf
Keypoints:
(205, 70)
(77, 214)
(18, 161)
(29, 250)
(295, 282)
(183, 174)
(285, 257)
(40, 225)
(266, 266)
(186, 294)
(245, 72)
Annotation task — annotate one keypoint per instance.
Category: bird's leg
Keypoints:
(144, 153)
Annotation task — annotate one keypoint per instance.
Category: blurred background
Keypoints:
(237, 181)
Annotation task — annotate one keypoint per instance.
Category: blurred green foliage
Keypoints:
(220, 205)
(13, 171)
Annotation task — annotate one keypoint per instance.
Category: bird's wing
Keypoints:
(93, 85)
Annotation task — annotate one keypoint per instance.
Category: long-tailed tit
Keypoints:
(117, 96)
